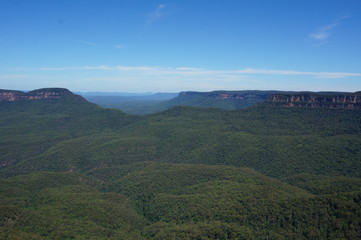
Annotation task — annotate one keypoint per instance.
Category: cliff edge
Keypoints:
(40, 94)
(317, 100)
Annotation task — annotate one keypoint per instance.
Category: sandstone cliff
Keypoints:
(39, 94)
(317, 100)
(229, 94)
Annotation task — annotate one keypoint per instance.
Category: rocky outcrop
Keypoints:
(39, 94)
(9, 95)
(232, 96)
(317, 100)
(241, 95)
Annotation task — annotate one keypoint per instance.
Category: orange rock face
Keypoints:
(350, 101)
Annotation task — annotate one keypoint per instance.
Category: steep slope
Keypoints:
(30, 127)
(317, 100)
(228, 100)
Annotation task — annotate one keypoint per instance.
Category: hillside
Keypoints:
(277, 141)
(228, 100)
(31, 127)
(267, 171)
(80, 135)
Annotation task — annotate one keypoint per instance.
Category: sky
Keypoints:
(180, 45)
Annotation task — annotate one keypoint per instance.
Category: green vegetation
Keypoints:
(149, 200)
(72, 170)
(47, 205)
(276, 141)
(318, 184)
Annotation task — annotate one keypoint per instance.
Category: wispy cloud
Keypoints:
(100, 67)
(157, 14)
(291, 72)
(321, 36)
(158, 78)
(187, 71)
(89, 43)
(323, 33)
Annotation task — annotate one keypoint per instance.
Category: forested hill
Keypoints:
(71, 169)
(228, 100)
(232, 100)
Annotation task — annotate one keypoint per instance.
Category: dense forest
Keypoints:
(70, 169)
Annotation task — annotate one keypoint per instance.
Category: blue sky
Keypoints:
(171, 46)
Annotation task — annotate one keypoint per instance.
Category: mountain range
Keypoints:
(276, 165)
(228, 100)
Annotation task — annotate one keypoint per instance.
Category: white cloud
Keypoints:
(127, 68)
(187, 71)
(321, 36)
(158, 78)
(291, 72)
(323, 33)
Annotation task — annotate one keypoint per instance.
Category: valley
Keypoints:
(189, 172)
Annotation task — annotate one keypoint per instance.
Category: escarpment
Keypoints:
(222, 95)
(39, 94)
(317, 100)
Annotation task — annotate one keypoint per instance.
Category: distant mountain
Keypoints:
(228, 100)
(232, 100)
(143, 103)
(40, 94)
(113, 99)
(317, 100)
(124, 94)
(146, 104)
